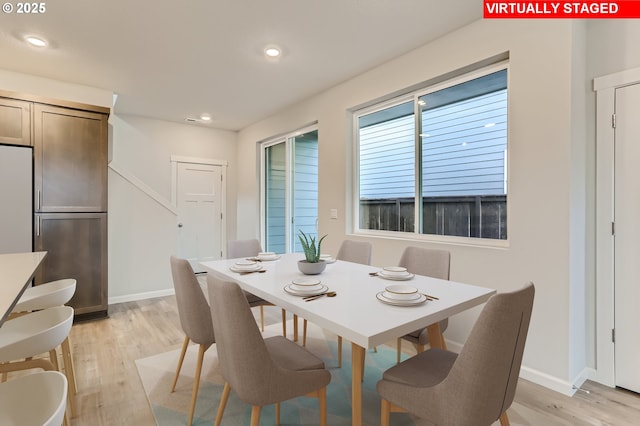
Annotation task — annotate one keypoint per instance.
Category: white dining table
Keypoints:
(355, 313)
(16, 272)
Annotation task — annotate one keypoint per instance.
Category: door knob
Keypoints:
(180, 225)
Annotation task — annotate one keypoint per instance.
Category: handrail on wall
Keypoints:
(144, 188)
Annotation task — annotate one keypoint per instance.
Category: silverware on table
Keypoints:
(317, 296)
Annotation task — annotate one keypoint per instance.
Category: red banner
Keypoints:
(561, 9)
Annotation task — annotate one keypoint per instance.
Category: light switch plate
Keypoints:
(333, 213)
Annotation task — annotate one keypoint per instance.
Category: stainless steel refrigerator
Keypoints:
(16, 199)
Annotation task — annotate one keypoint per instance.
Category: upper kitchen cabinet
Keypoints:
(70, 158)
(15, 122)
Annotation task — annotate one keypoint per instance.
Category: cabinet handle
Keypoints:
(38, 227)
(38, 201)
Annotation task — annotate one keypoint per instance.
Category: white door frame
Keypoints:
(605, 87)
(175, 159)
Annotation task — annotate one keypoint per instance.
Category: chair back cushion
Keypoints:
(355, 251)
(193, 309)
(245, 362)
(483, 380)
(425, 261)
(243, 248)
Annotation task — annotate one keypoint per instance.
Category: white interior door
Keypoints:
(627, 237)
(199, 192)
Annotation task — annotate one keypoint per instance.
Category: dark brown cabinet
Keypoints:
(70, 158)
(76, 245)
(15, 122)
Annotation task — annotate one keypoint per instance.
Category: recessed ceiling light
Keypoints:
(36, 41)
(205, 117)
(272, 52)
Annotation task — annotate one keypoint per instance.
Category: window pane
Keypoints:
(305, 187)
(387, 164)
(464, 145)
(275, 198)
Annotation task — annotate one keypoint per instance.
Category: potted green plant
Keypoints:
(311, 265)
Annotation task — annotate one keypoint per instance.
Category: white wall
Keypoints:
(142, 232)
(543, 248)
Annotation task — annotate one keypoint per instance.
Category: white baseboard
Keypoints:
(141, 296)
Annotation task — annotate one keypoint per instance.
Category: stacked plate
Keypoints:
(401, 295)
(267, 255)
(305, 286)
(246, 266)
(397, 273)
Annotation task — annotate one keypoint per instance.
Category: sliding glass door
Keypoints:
(289, 190)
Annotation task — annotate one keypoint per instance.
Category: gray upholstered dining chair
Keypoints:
(260, 371)
(349, 251)
(475, 387)
(251, 248)
(431, 263)
(195, 320)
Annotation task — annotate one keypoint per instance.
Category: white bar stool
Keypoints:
(30, 335)
(49, 295)
(35, 399)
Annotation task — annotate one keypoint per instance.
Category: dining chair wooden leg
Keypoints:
(277, 414)
(339, 351)
(322, 405)
(385, 410)
(362, 362)
(295, 328)
(255, 415)
(304, 333)
(399, 344)
(284, 323)
(504, 419)
(185, 345)
(420, 348)
(262, 317)
(196, 381)
(71, 380)
(223, 403)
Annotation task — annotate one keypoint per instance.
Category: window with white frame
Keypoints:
(435, 161)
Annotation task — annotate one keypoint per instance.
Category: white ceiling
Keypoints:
(175, 59)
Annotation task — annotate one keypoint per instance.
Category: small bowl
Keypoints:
(400, 292)
(309, 288)
(395, 271)
(306, 282)
(266, 255)
(246, 264)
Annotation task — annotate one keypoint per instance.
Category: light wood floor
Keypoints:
(110, 391)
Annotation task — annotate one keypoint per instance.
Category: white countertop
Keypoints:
(16, 272)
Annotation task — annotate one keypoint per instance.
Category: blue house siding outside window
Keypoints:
(462, 131)
(291, 191)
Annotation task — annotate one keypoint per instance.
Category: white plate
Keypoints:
(295, 292)
(419, 301)
(406, 277)
(395, 270)
(254, 268)
(404, 298)
(266, 257)
(301, 288)
(305, 281)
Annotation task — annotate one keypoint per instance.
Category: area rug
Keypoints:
(156, 373)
